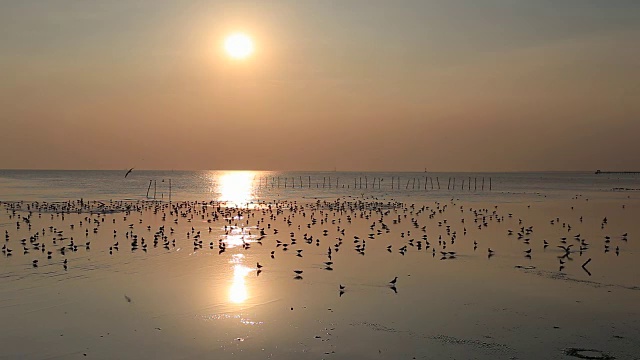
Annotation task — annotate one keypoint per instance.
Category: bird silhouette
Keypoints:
(565, 248)
(128, 172)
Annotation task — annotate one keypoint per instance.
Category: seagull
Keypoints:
(393, 282)
(565, 248)
(128, 172)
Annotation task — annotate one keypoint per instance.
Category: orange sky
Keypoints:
(356, 85)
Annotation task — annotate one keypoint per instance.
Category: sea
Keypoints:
(245, 187)
(410, 265)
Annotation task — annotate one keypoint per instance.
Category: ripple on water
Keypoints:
(243, 320)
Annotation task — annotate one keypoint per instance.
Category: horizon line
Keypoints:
(328, 171)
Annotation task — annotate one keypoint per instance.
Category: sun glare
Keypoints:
(235, 187)
(238, 291)
(238, 46)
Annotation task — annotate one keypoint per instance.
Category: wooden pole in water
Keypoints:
(300, 182)
(413, 186)
(469, 183)
(475, 183)
(438, 181)
(489, 184)
(366, 182)
(483, 183)
(449, 184)
(462, 184)
(392, 182)
(169, 190)
(309, 181)
(155, 188)
(149, 188)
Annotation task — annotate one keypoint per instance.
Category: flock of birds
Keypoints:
(244, 227)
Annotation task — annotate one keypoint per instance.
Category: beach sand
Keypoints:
(186, 301)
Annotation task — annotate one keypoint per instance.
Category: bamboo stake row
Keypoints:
(364, 182)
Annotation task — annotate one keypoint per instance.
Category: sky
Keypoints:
(448, 85)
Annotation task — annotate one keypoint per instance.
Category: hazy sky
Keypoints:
(466, 85)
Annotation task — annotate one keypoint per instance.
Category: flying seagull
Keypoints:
(128, 172)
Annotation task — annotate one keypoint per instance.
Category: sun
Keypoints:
(238, 46)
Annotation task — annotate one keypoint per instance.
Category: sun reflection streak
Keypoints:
(236, 187)
(238, 291)
(238, 236)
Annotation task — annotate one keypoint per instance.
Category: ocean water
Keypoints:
(311, 280)
(242, 187)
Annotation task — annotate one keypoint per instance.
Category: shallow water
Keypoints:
(191, 302)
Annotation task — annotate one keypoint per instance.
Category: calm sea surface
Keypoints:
(528, 266)
(253, 186)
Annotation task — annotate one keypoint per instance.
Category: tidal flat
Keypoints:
(315, 279)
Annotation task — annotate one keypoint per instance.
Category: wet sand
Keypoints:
(202, 296)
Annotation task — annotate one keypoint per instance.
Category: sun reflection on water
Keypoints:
(238, 291)
(238, 236)
(236, 187)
